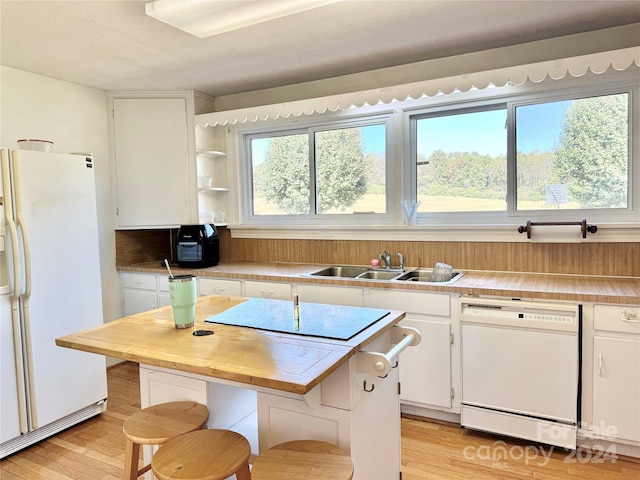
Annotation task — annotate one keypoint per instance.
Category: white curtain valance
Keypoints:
(596, 63)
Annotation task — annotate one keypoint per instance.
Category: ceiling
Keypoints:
(113, 45)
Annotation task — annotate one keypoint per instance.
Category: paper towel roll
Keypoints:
(556, 234)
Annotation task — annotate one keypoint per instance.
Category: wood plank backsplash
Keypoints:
(608, 259)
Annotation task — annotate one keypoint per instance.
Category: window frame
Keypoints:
(400, 175)
(334, 122)
(518, 97)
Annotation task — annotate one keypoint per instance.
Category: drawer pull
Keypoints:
(629, 320)
(218, 290)
(266, 293)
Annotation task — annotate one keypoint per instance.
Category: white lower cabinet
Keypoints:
(142, 292)
(329, 294)
(616, 387)
(138, 293)
(425, 372)
(616, 372)
(273, 290)
(429, 372)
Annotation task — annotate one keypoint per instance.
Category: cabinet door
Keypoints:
(425, 370)
(616, 387)
(152, 162)
(278, 291)
(137, 301)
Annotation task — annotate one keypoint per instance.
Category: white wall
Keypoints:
(74, 117)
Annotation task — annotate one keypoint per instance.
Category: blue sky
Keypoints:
(539, 127)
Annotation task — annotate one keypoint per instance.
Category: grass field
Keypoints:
(430, 204)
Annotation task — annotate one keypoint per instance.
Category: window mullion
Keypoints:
(511, 160)
(313, 175)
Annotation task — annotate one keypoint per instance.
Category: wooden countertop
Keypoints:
(289, 363)
(615, 290)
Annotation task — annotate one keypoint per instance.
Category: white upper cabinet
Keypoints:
(153, 161)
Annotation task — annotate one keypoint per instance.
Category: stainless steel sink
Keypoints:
(359, 272)
(345, 271)
(423, 276)
(379, 275)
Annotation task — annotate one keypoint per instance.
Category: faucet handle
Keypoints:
(401, 259)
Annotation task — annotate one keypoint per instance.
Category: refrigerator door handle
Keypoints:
(11, 224)
(26, 316)
(15, 295)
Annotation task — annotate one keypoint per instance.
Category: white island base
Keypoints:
(356, 411)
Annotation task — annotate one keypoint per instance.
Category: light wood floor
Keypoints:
(430, 450)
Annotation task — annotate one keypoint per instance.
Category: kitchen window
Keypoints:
(573, 154)
(324, 172)
(565, 156)
(461, 160)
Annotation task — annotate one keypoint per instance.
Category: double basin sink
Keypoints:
(422, 275)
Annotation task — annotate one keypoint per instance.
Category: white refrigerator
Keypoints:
(49, 287)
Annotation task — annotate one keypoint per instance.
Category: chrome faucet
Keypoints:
(386, 259)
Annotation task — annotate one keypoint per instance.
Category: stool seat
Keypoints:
(203, 455)
(303, 460)
(155, 425)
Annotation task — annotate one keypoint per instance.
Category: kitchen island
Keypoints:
(272, 386)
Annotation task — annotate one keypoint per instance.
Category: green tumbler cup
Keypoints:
(182, 289)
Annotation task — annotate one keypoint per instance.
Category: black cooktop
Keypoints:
(316, 320)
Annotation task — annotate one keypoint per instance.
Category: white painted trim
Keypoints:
(629, 232)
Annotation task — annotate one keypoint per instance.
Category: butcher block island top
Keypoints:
(282, 361)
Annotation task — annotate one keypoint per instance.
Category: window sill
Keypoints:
(628, 232)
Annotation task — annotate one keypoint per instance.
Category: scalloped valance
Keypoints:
(578, 66)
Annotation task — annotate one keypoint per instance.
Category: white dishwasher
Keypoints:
(521, 368)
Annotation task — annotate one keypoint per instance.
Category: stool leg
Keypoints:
(244, 473)
(132, 457)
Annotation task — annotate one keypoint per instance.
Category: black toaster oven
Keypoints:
(198, 246)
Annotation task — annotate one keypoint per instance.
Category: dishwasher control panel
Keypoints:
(517, 313)
(547, 317)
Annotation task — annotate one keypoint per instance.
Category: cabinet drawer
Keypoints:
(212, 286)
(141, 281)
(348, 296)
(617, 318)
(279, 291)
(415, 302)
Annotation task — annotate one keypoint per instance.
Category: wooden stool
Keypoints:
(303, 460)
(203, 455)
(155, 425)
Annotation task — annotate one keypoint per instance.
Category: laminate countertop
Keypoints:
(596, 289)
(286, 362)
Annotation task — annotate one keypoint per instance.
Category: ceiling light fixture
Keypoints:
(204, 18)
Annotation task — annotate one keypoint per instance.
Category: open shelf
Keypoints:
(211, 153)
(213, 189)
